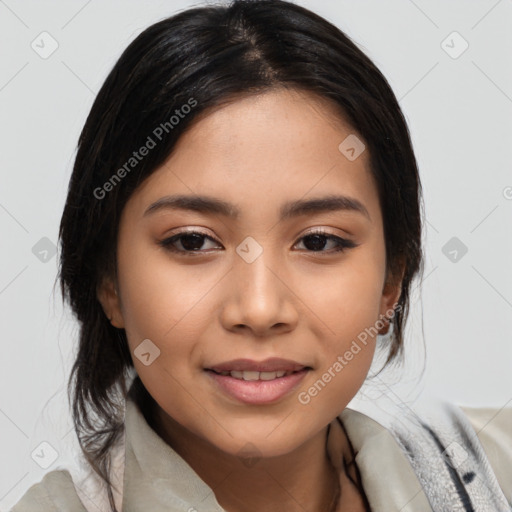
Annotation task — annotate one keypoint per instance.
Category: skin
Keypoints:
(293, 301)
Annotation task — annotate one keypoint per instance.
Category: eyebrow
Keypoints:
(211, 205)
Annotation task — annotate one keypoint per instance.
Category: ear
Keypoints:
(390, 294)
(109, 299)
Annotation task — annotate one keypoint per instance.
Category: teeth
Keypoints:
(268, 375)
(250, 375)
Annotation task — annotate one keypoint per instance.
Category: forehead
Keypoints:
(266, 149)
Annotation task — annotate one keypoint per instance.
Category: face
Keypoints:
(207, 286)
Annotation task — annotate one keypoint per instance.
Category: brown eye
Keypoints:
(316, 241)
(190, 241)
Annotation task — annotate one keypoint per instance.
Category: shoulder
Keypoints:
(446, 446)
(493, 428)
(55, 491)
(462, 443)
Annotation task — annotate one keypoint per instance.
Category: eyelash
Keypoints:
(342, 243)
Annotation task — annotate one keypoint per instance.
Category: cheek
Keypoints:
(346, 299)
(159, 304)
(347, 302)
(158, 296)
(348, 350)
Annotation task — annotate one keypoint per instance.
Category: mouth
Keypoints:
(254, 382)
(250, 367)
(249, 375)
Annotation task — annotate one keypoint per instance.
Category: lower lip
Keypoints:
(258, 391)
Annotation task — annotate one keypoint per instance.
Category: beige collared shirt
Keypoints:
(155, 478)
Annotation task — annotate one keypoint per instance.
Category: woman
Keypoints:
(242, 223)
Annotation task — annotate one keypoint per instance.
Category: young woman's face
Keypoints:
(258, 284)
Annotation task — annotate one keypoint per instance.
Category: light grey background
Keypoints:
(460, 116)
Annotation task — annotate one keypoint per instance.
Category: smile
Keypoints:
(252, 375)
(257, 388)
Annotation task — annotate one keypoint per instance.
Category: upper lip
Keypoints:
(272, 364)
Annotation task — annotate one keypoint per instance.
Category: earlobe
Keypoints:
(110, 302)
(390, 297)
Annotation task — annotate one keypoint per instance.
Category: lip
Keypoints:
(272, 364)
(258, 391)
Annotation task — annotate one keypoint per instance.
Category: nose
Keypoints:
(259, 299)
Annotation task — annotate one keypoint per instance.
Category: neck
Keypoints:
(301, 480)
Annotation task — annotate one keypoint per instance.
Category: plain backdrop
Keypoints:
(449, 65)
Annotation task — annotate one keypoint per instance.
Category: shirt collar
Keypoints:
(388, 478)
(156, 478)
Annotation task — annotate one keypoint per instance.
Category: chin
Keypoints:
(265, 439)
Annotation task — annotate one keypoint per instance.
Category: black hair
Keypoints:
(174, 73)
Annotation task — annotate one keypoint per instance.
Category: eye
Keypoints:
(192, 242)
(316, 241)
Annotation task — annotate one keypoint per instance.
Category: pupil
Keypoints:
(196, 242)
(317, 242)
